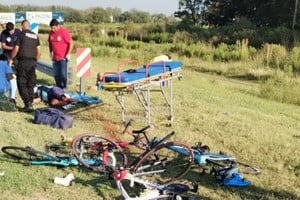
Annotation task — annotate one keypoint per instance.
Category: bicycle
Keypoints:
(31, 156)
(224, 167)
(152, 191)
(158, 158)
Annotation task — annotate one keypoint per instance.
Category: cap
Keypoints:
(3, 22)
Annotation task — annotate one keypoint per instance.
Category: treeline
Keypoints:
(211, 21)
(94, 15)
(224, 12)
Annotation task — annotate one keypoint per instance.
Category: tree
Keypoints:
(190, 11)
(223, 12)
(135, 16)
(98, 15)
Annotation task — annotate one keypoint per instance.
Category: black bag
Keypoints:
(53, 117)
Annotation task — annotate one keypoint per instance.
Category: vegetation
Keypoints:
(240, 94)
(225, 113)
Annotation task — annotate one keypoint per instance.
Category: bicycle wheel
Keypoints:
(166, 162)
(27, 154)
(98, 153)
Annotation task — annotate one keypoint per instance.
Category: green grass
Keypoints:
(224, 113)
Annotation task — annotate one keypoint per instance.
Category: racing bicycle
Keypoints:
(31, 156)
(151, 190)
(157, 159)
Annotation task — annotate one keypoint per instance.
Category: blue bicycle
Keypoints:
(224, 167)
(31, 156)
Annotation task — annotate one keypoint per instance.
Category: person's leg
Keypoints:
(64, 73)
(13, 88)
(56, 70)
(22, 80)
(31, 82)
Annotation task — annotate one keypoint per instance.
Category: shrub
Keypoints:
(280, 89)
(275, 56)
(295, 58)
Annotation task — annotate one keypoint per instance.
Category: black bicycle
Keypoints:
(158, 158)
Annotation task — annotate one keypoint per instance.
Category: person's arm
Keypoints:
(68, 56)
(5, 47)
(13, 53)
(9, 73)
(9, 76)
(68, 39)
(57, 103)
(38, 52)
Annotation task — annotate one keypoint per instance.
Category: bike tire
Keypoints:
(89, 148)
(165, 163)
(27, 154)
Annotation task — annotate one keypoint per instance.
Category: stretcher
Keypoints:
(132, 78)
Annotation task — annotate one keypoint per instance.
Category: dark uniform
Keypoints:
(9, 40)
(27, 57)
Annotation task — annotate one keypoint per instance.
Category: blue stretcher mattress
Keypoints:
(154, 69)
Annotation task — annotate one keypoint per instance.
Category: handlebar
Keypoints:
(127, 125)
(142, 130)
(135, 131)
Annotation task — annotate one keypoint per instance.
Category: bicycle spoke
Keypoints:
(165, 163)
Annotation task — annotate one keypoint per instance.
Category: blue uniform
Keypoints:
(4, 70)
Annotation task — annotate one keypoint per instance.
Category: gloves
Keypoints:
(68, 57)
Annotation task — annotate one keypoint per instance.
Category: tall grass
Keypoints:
(220, 107)
(237, 60)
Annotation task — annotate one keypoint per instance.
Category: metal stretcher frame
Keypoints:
(142, 89)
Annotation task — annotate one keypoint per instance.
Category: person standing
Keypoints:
(60, 47)
(27, 49)
(8, 39)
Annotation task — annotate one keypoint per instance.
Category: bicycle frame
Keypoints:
(49, 159)
(154, 191)
(202, 158)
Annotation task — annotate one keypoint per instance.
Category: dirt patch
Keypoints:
(110, 127)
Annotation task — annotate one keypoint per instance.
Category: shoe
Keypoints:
(13, 101)
(27, 109)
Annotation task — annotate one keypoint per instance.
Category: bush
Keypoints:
(295, 58)
(275, 56)
(284, 90)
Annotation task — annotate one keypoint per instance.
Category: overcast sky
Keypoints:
(167, 7)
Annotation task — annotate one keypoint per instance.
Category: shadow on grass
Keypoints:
(251, 192)
(42, 81)
(100, 183)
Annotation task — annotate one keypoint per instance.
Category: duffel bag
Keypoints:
(53, 117)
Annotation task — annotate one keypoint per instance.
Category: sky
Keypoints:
(167, 7)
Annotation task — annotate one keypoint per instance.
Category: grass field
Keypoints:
(225, 114)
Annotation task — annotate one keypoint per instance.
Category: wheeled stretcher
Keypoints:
(132, 78)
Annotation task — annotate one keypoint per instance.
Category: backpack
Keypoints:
(53, 117)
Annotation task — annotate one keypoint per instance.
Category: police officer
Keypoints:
(27, 49)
